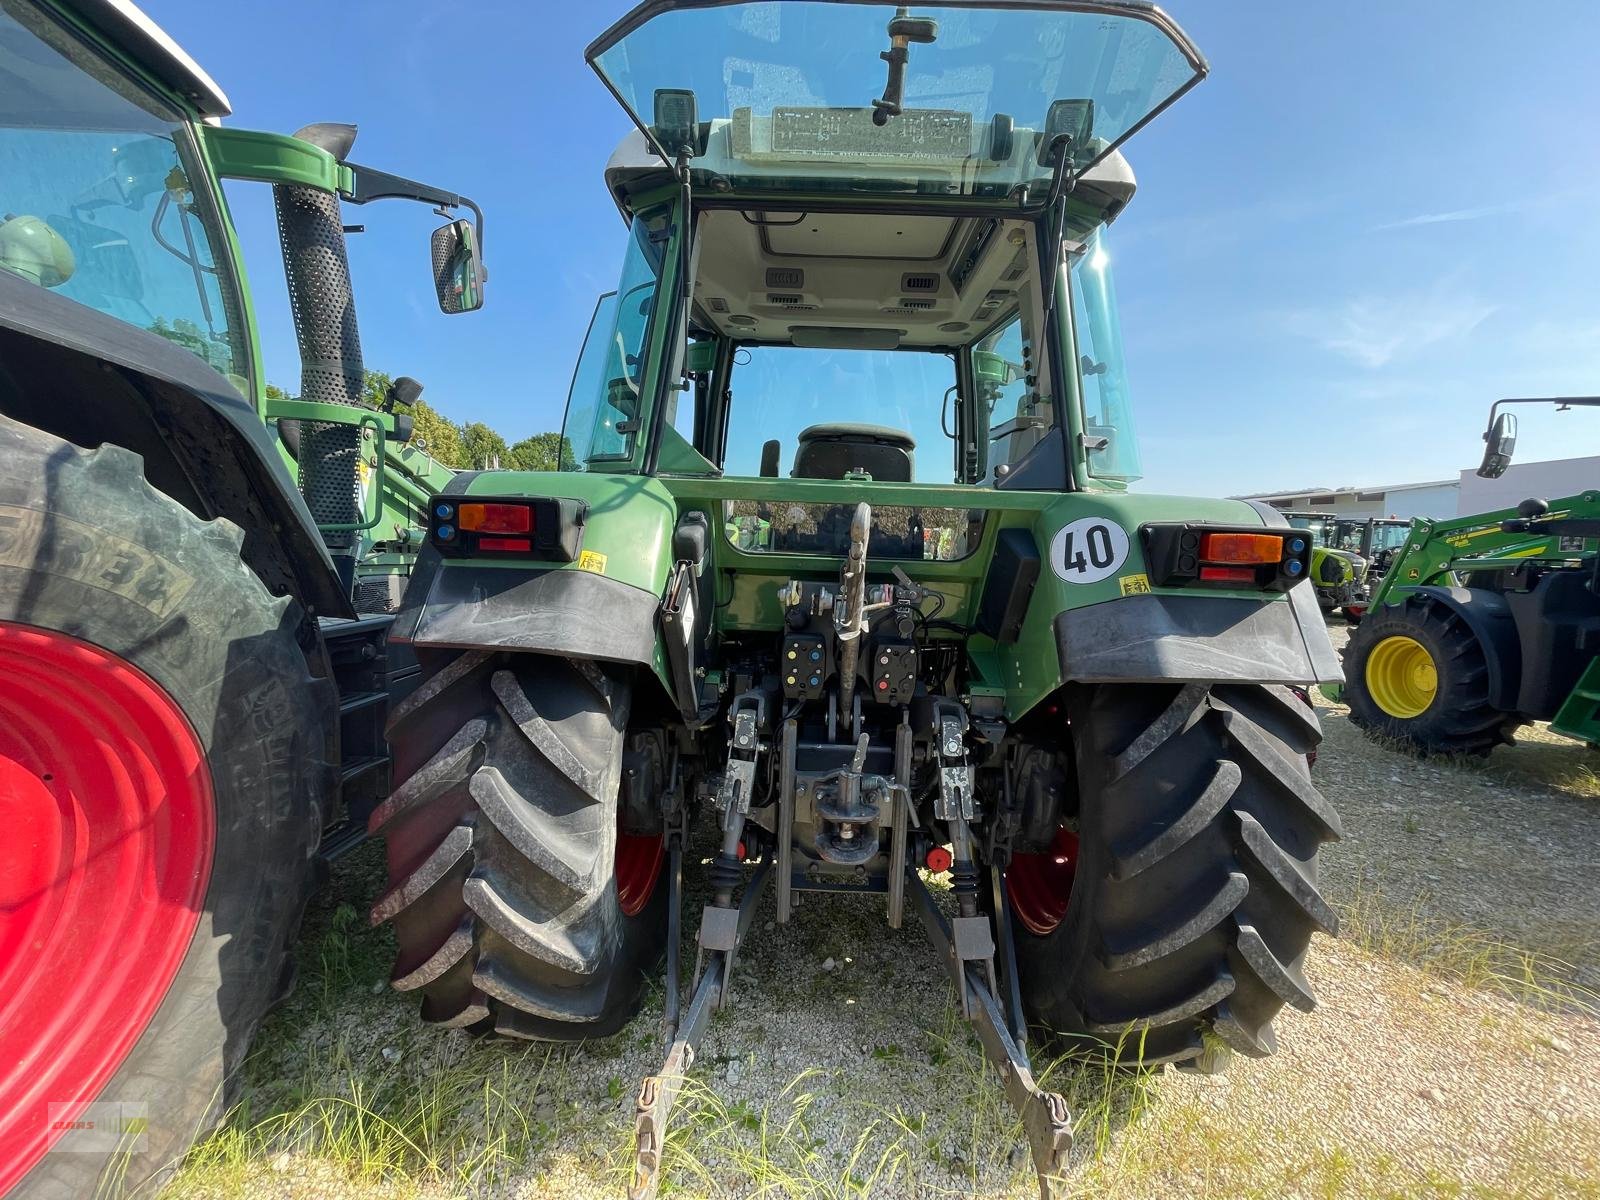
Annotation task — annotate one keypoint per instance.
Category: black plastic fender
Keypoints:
(1164, 638)
(89, 378)
(1489, 617)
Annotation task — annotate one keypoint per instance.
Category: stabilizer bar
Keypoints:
(659, 1091)
(1045, 1118)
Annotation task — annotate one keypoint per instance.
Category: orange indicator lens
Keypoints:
(1226, 547)
(495, 518)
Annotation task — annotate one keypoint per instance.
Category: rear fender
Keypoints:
(1120, 629)
(604, 605)
(90, 378)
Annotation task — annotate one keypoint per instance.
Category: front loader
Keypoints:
(193, 673)
(848, 590)
(1484, 623)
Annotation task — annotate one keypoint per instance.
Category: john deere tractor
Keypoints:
(193, 674)
(849, 570)
(1486, 622)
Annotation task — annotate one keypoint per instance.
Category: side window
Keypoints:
(97, 200)
(607, 396)
(590, 426)
(1014, 413)
(1107, 411)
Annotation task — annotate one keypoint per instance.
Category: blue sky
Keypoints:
(1369, 222)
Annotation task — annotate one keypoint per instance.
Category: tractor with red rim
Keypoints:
(194, 582)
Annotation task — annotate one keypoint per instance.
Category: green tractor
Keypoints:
(848, 578)
(1487, 622)
(1338, 574)
(194, 581)
(1375, 541)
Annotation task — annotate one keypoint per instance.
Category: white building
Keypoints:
(1547, 480)
(1445, 498)
(1435, 499)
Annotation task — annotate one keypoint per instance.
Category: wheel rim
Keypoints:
(1040, 885)
(101, 891)
(637, 869)
(1401, 677)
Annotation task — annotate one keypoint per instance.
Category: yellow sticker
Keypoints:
(1135, 585)
(592, 560)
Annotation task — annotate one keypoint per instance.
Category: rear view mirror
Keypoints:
(1501, 442)
(458, 273)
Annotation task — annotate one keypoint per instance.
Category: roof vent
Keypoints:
(717, 304)
(919, 282)
(920, 302)
(785, 277)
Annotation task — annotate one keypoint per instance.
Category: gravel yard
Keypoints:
(1455, 1050)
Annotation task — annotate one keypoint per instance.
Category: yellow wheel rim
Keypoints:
(1401, 677)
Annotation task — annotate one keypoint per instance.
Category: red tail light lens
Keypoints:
(496, 518)
(1244, 575)
(504, 545)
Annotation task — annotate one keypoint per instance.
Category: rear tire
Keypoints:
(1459, 719)
(502, 834)
(1193, 897)
(120, 578)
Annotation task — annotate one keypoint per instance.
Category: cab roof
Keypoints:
(148, 46)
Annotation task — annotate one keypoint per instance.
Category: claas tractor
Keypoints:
(1484, 623)
(194, 584)
(1338, 574)
(1373, 540)
(848, 587)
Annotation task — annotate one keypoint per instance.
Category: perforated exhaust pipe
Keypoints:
(311, 231)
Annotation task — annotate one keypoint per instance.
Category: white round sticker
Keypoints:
(1088, 550)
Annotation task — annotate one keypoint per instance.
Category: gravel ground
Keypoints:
(841, 1070)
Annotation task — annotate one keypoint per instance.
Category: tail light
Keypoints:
(1190, 555)
(540, 527)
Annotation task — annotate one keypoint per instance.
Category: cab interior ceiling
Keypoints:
(930, 280)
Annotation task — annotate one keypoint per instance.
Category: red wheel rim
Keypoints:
(106, 803)
(1040, 885)
(638, 867)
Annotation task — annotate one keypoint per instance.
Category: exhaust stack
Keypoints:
(311, 231)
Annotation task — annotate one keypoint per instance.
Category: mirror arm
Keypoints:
(373, 185)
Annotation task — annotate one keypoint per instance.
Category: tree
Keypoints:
(464, 447)
(437, 436)
(484, 447)
(541, 452)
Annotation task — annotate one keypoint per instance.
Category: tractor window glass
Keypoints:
(834, 414)
(1017, 416)
(1107, 413)
(604, 405)
(98, 197)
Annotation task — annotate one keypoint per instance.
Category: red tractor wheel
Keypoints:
(165, 768)
(105, 788)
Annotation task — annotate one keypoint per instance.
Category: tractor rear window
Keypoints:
(97, 200)
(837, 414)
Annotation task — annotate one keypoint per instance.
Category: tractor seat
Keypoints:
(831, 451)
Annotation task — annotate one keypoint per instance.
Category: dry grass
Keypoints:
(1470, 955)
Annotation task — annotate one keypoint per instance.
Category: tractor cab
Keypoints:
(875, 196)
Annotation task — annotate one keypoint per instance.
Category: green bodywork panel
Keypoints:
(1579, 717)
(272, 158)
(631, 520)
